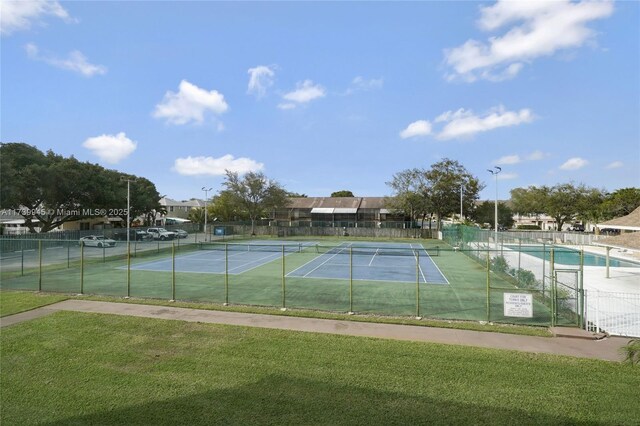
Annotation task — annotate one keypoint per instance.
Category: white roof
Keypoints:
(323, 210)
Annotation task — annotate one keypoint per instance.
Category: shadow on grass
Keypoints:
(282, 400)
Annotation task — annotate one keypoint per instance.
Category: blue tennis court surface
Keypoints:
(389, 262)
(408, 264)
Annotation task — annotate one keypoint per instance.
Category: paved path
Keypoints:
(606, 349)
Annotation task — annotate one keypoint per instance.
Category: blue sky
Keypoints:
(328, 96)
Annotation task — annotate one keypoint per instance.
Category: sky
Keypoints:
(328, 96)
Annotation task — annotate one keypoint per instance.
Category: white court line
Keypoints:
(348, 245)
(374, 256)
(434, 264)
(311, 261)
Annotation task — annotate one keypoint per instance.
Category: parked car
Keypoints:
(96, 241)
(161, 234)
(577, 227)
(181, 233)
(134, 235)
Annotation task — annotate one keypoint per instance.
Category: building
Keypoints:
(348, 212)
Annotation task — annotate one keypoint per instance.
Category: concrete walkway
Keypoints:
(606, 349)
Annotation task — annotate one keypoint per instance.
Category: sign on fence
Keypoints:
(518, 305)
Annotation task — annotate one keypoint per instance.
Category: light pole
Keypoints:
(129, 180)
(495, 172)
(206, 196)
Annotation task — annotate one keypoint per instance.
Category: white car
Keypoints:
(96, 241)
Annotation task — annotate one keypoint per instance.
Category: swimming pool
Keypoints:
(566, 256)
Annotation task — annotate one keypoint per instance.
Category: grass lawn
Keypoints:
(13, 302)
(73, 368)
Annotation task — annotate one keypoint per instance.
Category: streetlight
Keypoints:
(206, 196)
(129, 180)
(495, 172)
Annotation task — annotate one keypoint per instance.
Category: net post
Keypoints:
(22, 258)
(488, 284)
(350, 280)
(284, 297)
(418, 285)
(68, 254)
(173, 272)
(82, 267)
(40, 265)
(104, 249)
(226, 274)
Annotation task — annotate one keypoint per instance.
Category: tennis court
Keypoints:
(383, 262)
(411, 277)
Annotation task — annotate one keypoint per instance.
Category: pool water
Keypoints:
(572, 257)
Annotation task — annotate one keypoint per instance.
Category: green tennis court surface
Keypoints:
(422, 278)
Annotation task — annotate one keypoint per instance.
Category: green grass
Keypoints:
(13, 302)
(459, 325)
(73, 368)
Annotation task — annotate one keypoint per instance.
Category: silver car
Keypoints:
(96, 241)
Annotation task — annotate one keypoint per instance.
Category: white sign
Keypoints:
(518, 305)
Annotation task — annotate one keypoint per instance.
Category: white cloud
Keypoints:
(534, 29)
(192, 166)
(19, 15)
(462, 123)
(574, 163)
(189, 104)
(536, 155)
(305, 92)
(417, 128)
(509, 159)
(507, 176)
(615, 165)
(286, 105)
(109, 148)
(260, 79)
(361, 84)
(75, 61)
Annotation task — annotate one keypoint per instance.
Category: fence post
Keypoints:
(488, 284)
(173, 272)
(544, 264)
(553, 287)
(284, 306)
(226, 275)
(581, 308)
(418, 285)
(22, 258)
(128, 270)
(40, 265)
(350, 280)
(81, 267)
(68, 254)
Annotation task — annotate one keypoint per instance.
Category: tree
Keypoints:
(255, 194)
(564, 202)
(445, 179)
(52, 190)
(485, 213)
(225, 208)
(621, 202)
(409, 194)
(435, 191)
(196, 215)
(343, 193)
